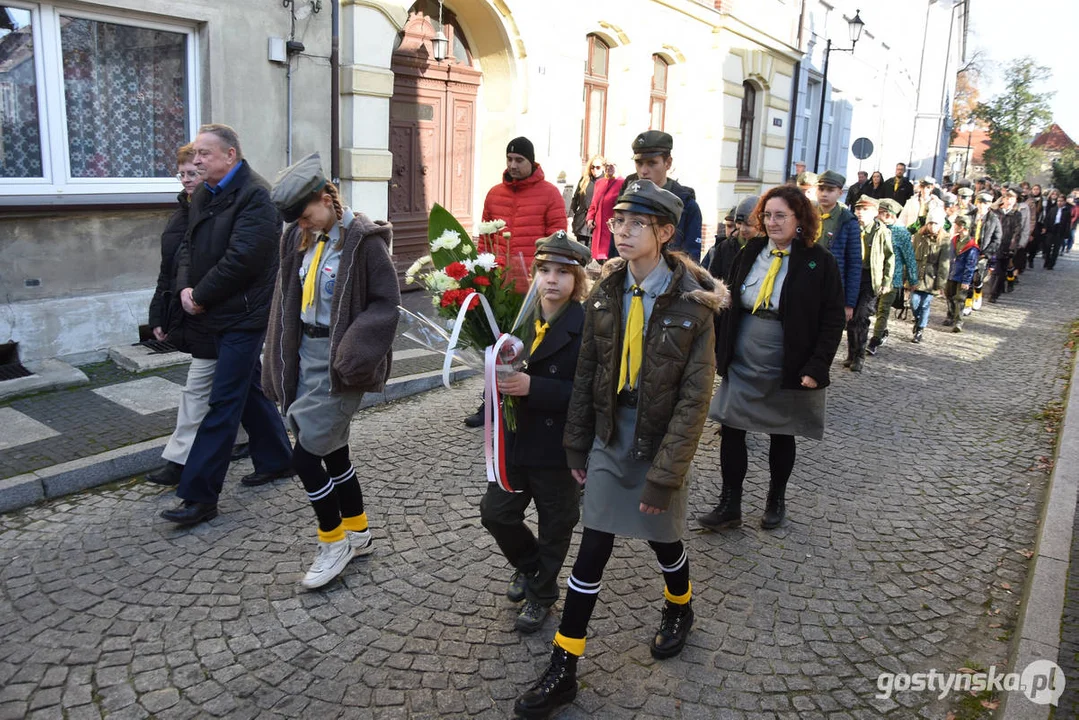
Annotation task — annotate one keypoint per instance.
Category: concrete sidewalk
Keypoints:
(115, 424)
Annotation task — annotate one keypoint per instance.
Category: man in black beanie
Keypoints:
(531, 207)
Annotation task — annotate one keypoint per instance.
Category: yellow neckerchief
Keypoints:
(896, 188)
(633, 342)
(764, 295)
(541, 331)
(310, 281)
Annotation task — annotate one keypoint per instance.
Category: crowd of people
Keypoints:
(631, 329)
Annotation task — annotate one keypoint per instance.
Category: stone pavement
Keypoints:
(903, 552)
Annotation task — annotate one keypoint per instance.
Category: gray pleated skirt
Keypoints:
(750, 397)
(612, 497)
(319, 420)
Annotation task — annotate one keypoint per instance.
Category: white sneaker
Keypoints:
(330, 560)
(966, 311)
(977, 303)
(361, 542)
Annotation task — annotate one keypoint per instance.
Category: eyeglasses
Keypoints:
(633, 228)
(597, 167)
(778, 217)
(193, 174)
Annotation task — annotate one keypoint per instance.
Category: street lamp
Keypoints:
(439, 43)
(968, 128)
(854, 27)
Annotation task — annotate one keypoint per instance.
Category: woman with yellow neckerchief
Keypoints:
(774, 349)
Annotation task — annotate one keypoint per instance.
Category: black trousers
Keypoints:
(858, 326)
(557, 497)
(999, 277)
(1053, 246)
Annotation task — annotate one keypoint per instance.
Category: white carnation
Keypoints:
(490, 227)
(439, 281)
(486, 261)
(448, 240)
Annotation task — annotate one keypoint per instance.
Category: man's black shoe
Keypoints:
(167, 475)
(190, 513)
(531, 617)
(257, 478)
(948, 322)
(240, 451)
(857, 365)
(475, 420)
(917, 336)
(673, 630)
(556, 687)
(515, 591)
(874, 343)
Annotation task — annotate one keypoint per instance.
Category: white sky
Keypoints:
(1005, 30)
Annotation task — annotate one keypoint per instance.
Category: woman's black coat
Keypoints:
(810, 309)
(541, 415)
(171, 238)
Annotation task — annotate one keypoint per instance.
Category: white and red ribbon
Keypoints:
(494, 448)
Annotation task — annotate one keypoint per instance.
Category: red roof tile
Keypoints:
(1053, 139)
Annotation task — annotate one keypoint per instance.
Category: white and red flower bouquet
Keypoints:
(482, 313)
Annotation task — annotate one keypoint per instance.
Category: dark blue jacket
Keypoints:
(846, 248)
(687, 238)
(964, 262)
(541, 415)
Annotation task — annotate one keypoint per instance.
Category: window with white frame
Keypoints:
(92, 103)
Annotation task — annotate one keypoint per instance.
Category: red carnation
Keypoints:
(456, 270)
(481, 280)
(475, 301)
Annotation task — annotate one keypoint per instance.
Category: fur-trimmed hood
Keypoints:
(693, 281)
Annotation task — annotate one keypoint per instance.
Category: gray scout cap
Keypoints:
(559, 248)
(985, 197)
(642, 196)
(831, 177)
(962, 219)
(294, 186)
(965, 192)
(806, 178)
(949, 199)
(652, 142)
(889, 205)
(745, 208)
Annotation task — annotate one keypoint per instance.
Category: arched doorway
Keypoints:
(432, 129)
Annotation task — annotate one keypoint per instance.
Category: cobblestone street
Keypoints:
(903, 552)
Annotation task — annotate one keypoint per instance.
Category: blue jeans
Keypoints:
(236, 395)
(919, 305)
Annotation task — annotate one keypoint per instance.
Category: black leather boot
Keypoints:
(728, 513)
(775, 509)
(556, 686)
(673, 630)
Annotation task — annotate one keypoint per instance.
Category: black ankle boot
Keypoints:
(775, 509)
(556, 686)
(727, 514)
(673, 630)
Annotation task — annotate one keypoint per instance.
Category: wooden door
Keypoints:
(432, 137)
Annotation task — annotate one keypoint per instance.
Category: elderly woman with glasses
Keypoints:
(774, 349)
(185, 332)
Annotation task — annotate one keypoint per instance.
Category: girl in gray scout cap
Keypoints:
(332, 322)
(535, 459)
(640, 398)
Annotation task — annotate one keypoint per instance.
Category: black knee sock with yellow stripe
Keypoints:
(674, 564)
(321, 493)
(347, 486)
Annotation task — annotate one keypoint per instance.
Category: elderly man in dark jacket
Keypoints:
(227, 269)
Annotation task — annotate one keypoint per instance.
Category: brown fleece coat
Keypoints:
(676, 373)
(363, 312)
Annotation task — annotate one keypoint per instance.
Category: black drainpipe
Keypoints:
(335, 92)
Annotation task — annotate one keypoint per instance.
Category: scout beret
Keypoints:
(890, 205)
(831, 177)
(1012, 190)
(965, 192)
(806, 178)
(949, 199)
(642, 196)
(294, 186)
(867, 200)
(651, 143)
(745, 208)
(559, 248)
(731, 214)
(984, 197)
(962, 219)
